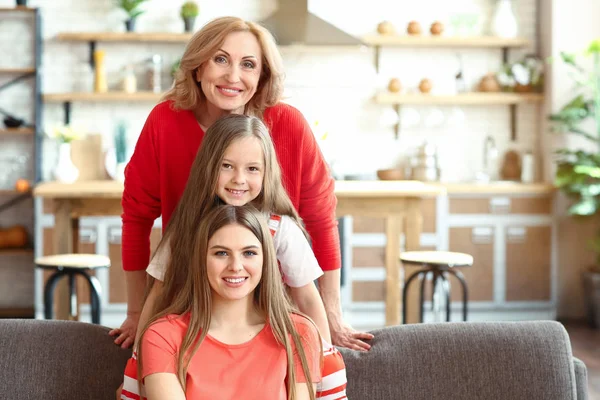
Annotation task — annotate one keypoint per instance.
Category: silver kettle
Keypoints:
(424, 164)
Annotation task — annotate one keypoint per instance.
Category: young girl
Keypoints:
(222, 327)
(236, 164)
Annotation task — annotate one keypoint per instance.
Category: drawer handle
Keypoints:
(516, 234)
(482, 235)
(500, 205)
(115, 235)
(87, 236)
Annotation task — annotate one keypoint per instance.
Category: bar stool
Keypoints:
(72, 265)
(438, 263)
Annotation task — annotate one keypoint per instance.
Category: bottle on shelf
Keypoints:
(100, 83)
(129, 80)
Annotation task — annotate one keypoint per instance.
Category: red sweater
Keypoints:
(158, 171)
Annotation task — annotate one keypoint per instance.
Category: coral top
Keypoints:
(256, 369)
(159, 168)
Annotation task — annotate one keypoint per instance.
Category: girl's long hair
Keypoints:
(186, 92)
(200, 193)
(187, 291)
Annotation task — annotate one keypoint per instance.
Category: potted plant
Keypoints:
(578, 171)
(133, 10)
(22, 3)
(189, 12)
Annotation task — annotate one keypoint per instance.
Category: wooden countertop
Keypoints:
(112, 189)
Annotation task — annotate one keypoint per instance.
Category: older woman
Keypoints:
(229, 66)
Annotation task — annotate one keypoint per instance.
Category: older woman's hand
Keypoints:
(125, 335)
(343, 335)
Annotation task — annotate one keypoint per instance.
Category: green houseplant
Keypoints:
(578, 171)
(133, 9)
(189, 12)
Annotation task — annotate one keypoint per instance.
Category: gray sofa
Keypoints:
(514, 361)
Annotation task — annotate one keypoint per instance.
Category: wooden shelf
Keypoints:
(101, 97)
(17, 313)
(474, 98)
(16, 252)
(17, 131)
(18, 8)
(444, 41)
(17, 70)
(125, 37)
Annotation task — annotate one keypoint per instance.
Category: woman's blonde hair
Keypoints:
(186, 92)
(187, 290)
(200, 194)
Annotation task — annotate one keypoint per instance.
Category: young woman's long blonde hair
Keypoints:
(187, 290)
(186, 92)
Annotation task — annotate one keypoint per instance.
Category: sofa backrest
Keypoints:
(466, 361)
(58, 360)
(462, 361)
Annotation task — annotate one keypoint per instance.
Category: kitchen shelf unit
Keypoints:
(14, 273)
(92, 38)
(473, 98)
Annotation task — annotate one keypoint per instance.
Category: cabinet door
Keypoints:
(501, 205)
(528, 259)
(478, 242)
(117, 284)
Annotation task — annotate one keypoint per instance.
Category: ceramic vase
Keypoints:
(504, 22)
(65, 171)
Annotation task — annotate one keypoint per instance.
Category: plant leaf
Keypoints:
(591, 171)
(587, 206)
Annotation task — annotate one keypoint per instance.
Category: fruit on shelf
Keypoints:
(394, 85)
(414, 28)
(437, 28)
(385, 28)
(425, 85)
(22, 185)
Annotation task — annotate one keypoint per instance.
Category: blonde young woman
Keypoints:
(230, 66)
(222, 327)
(237, 165)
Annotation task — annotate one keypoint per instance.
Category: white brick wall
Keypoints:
(332, 87)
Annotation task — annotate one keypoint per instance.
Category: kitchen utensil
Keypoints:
(424, 165)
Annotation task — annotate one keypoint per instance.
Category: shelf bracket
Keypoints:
(17, 79)
(67, 108)
(92, 51)
(377, 55)
(397, 126)
(505, 55)
(14, 200)
(513, 122)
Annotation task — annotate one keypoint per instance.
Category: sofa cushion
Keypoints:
(492, 361)
(58, 360)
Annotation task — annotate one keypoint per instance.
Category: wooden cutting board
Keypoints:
(88, 157)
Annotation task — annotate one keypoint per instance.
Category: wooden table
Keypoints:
(399, 202)
(396, 201)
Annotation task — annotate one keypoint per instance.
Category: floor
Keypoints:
(586, 346)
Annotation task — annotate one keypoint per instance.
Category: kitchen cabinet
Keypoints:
(478, 242)
(528, 263)
(117, 285)
(507, 229)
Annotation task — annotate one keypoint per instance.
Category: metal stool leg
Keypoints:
(422, 296)
(446, 286)
(465, 291)
(49, 294)
(72, 296)
(405, 293)
(95, 293)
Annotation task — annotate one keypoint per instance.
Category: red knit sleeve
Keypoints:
(318, 201)
(141, 198)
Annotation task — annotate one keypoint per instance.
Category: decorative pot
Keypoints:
(65, 171)
(130, 25)
(189, 23)
(22, 3)
(591, 290)
(504, 22)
